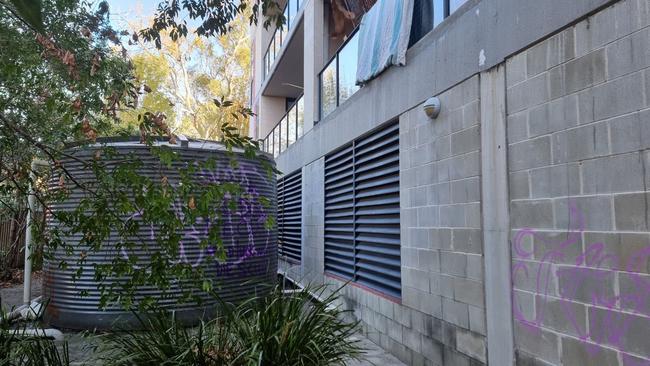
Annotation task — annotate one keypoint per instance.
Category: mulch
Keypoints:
(16, 278)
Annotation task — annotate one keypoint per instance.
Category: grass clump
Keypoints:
(281, 328)
(19, 349)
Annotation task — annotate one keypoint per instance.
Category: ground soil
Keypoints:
(16, 278)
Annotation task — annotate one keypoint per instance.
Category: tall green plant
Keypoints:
(291, 329)
(21, 350)
(295, 329)
(164, 341)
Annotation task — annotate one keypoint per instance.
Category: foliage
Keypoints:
(277, 329)
(292, 329)
(186, 76)
(215, 16)
(163, 340)
(22, 350)
(69, 84)
(65, 85)
(10, 249)
(30, 11)
(118, 201)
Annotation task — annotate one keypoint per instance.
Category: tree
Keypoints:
(62, 85)
(152, 72)
(65, 80)
(188, 74)
(215, 16)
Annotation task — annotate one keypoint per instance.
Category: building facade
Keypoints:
(513, 229)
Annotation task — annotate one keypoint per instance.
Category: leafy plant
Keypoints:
(70, 84)
(295, 329)
(23, 350)
(164, 341)
(277, 329)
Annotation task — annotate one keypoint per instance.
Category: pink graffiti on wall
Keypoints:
(578, 270)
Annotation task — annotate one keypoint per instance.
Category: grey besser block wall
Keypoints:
(578, 127)
(578, 140)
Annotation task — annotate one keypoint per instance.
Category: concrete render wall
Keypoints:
(571, 123)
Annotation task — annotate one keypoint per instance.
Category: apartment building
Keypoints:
(512, 227)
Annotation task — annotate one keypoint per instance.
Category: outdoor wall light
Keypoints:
(432, 107)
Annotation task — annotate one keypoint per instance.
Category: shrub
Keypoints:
(21, 350)
(277, 329)
(292, 329)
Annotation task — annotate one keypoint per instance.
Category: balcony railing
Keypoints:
(338, 78)
(287, 131)
(280, 34)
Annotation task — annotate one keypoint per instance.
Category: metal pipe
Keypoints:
(31, 207)
(49, 333)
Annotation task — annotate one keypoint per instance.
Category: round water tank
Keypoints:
(250, 266)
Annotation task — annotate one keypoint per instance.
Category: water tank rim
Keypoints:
(188, 144)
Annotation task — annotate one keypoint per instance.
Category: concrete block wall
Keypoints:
(442, 249)
(577, 122)
(311, 266)
(578, 128)
(440, 319)
(313, 206)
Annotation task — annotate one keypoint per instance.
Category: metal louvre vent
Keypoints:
(290, 216)
(362, 233)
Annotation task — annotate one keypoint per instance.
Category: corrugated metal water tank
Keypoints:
(251, 247)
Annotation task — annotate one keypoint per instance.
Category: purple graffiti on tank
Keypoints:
(590, 265)
(241, 258)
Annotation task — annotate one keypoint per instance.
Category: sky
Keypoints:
(124, 12)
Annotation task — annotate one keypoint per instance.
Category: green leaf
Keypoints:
(31, 12)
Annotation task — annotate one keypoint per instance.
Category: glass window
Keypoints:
(300, 106)
(276, 141)
(272, 142)
(292, 124)
(271, 53)
(348, 69)
(287, 17)
(293, 9)
(328, 89)
(283, 134)
(278, 40)
(283, 31)
(455, 4)
(438, 12)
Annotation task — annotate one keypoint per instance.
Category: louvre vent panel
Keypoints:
(290, 216)
(339, 212)
(362, 227)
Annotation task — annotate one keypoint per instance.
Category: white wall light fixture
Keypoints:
(432, 107)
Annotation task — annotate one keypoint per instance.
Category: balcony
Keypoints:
(280, 35)
(338, 78)
(287, 131)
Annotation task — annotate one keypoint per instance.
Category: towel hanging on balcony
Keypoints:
(383, 37)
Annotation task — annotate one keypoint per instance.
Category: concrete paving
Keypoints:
(375, 355)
